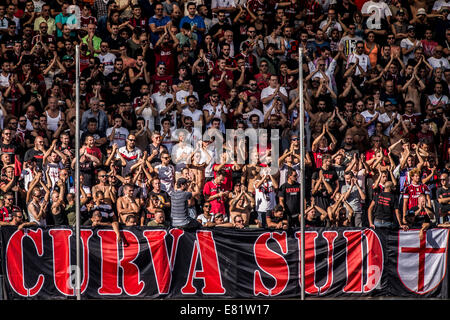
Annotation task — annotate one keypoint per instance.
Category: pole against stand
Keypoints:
(302, 171)
(77, 169)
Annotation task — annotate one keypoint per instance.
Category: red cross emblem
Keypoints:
(421, 268)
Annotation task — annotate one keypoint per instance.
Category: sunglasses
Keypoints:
(239, 221)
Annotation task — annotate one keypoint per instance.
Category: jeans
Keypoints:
(383, 224)
(262, 218)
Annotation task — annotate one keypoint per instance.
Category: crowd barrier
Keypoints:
(40, 263)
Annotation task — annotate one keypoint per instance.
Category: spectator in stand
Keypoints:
(376, 97)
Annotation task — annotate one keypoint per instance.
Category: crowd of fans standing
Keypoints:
(376, 96)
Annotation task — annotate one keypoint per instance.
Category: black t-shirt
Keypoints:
(276, 219)
(164, 197)
(445, 193)
(422, 217)
(10, 149)
(322, 197)
(385, 205)
(316, 222)
(291, 195)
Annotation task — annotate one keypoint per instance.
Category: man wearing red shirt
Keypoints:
(223, 77)
(89, 145)
(160, 75)
(166, 51)
(262, 78)
(413, 191)
(214, 192)
(228, 169)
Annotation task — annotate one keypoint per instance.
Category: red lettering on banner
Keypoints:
(210, 273)
(375, 260)
(109, 263)
(62, 265)
(131, 273)
(271, 263)
(61, 260)
(15, 265)
(355, 261)
(160, 257)
(310, 266)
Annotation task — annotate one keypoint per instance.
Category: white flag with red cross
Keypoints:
(422, 263)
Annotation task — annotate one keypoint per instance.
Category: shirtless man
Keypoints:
(197, 169)
(251, 172)
(359, 133)
(103, 185)
(126, 205)
(242, 203)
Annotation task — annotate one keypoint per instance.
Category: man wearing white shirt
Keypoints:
(408, 45)
(252, 106)
(268, 94)
(370, 116)
(330, 23)
(159, 99)
(359, 57)
(185, 92)
(388, 118)
(215, 109)
(437, 60)
(107, 58)
(438, 98)
(191, 109)
(117, 134)
(321, 68)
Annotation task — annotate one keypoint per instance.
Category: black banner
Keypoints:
(40, 263)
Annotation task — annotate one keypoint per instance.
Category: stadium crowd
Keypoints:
(376, 97)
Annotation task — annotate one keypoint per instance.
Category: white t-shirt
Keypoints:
(439, 63)
(407, 44)
(267, 91)
(254, 111)
(108, 61)
(120, 136)
(364, 62)
(183, 94)
(160, 104)
(131, 158)
(333, 25)
(265, 196)
(384, 118)
(218, 114)
(435, 100)
(368, 116)
(196, 115)
(167, 176)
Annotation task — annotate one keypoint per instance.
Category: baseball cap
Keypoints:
(421, 11)
(411, 27)
(67, 57)
(181, 181)
(401, 11)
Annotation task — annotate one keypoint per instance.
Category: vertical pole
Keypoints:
(302, 171)
(77, 169)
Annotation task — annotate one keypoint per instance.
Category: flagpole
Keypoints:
(302, 171)
(77, 168)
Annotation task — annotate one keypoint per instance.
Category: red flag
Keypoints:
(17, 166)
